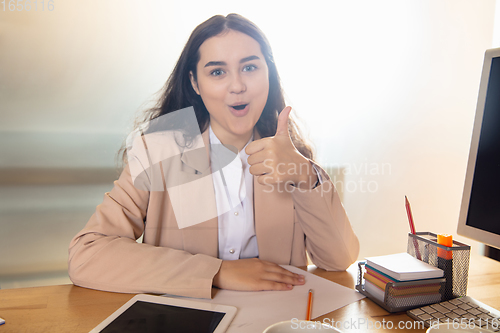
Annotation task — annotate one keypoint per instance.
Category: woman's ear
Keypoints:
(193, 82)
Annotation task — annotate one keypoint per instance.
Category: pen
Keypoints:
(412, 226)
(410, 215)
(309, 305)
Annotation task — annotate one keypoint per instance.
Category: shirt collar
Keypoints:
(215, 140)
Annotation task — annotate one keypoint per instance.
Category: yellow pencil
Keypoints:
(309, 305)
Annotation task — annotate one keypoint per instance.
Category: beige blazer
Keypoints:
(183, 261)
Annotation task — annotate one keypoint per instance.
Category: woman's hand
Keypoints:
(255, 274)
(275, 160)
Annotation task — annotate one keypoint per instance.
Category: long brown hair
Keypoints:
(178, 92)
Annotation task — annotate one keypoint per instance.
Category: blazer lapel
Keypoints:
(198, 158)
(202, 237)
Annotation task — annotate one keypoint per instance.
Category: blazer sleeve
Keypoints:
(106, 256)
(329, 237)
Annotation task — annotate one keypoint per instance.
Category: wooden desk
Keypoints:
(67, 308)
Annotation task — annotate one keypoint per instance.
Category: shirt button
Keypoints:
(236, 213)
(231, 251)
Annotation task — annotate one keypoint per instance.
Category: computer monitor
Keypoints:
(480, 211)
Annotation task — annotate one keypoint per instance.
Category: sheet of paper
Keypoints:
(260, 309)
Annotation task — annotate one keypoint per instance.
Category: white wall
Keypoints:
(387, 88)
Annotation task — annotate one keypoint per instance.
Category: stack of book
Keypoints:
(402, 267)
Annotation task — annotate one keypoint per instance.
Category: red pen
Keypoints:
(412, 226)
(410, 215)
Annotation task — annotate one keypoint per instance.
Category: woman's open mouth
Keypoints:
(239, 110)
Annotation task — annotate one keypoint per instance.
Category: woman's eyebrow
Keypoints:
(252, 57)
(215, 63)
(223, 63)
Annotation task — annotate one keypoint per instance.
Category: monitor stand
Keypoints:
(492, 252)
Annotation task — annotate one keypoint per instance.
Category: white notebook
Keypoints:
(404, 267)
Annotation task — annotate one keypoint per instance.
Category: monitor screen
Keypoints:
(480, 211)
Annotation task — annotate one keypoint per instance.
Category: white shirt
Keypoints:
(234, 197)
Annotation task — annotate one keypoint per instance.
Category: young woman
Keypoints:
(221, 202)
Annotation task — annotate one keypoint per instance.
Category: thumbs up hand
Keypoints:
(275, 159)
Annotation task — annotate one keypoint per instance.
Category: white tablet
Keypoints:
(147, 313)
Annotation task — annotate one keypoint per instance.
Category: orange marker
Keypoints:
(446, 240)
(445, 262)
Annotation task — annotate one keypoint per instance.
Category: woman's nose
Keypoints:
(237, 84)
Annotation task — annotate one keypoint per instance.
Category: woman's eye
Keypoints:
(217, 72)
(249, 68)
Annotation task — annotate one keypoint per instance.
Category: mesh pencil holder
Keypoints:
(454, 261)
